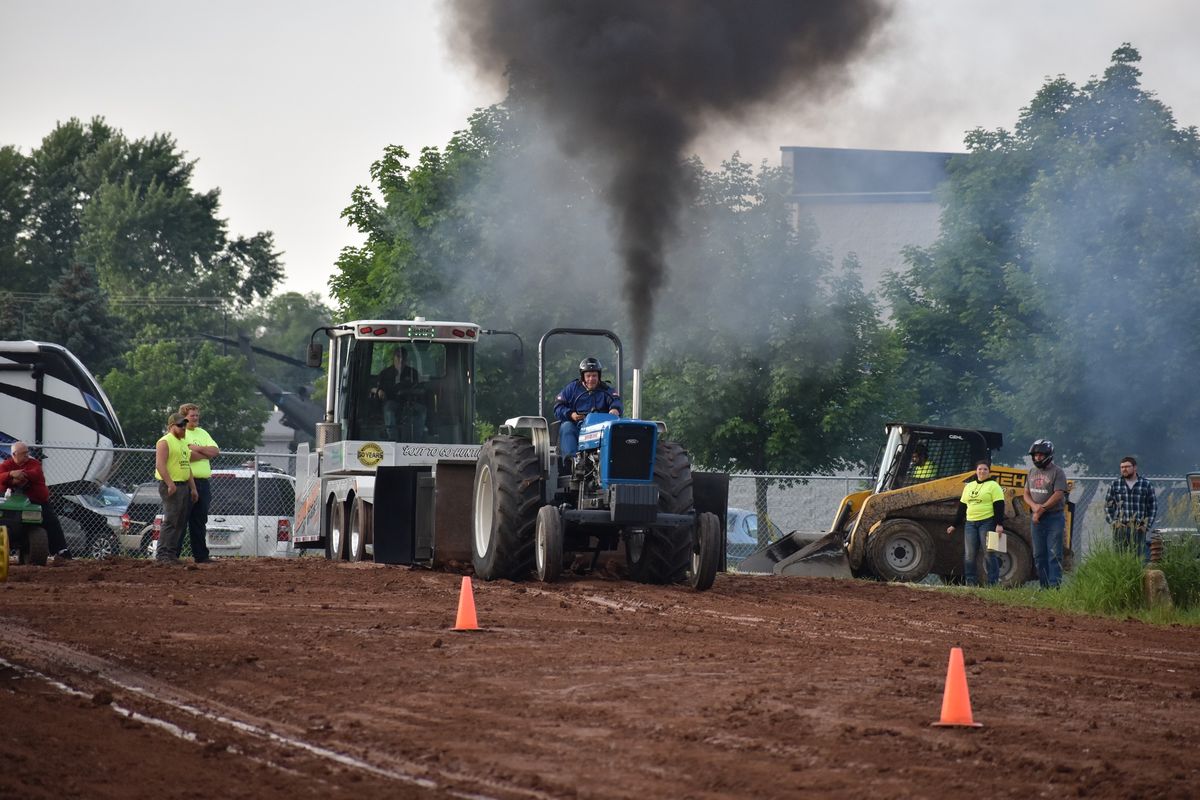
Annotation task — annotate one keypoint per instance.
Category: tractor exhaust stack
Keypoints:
(636, 403)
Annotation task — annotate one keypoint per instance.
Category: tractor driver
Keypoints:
(398, 387)
(579, 398)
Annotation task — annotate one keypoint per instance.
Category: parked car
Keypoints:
(741, 535)
(91, 519)
(234, 529)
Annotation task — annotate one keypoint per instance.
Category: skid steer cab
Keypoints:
(22, 520)
(627, 488)
(895, 530)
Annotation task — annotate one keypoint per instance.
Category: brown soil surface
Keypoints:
(304, 678)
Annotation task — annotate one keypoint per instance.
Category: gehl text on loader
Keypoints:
(896, 529)
(396, 475)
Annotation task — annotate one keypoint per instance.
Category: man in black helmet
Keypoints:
(1046, 497)
(581, 397)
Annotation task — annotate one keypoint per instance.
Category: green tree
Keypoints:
(76, 315)
(160, 377)
(14, 208)
(125, 210)
(1060, 299)
(11, 325)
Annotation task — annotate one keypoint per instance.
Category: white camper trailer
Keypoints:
(48, 397)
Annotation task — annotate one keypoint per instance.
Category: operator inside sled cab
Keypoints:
(585, 395)
(399, 387)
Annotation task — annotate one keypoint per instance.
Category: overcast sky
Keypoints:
(285, 104)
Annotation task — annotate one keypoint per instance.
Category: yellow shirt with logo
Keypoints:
(178, 459)
(980, 497)
(201, 467)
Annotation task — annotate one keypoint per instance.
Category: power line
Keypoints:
(135, 300)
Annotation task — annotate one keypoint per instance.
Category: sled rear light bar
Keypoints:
(416, 332)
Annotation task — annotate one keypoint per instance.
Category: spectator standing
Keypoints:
(1130, 507)
(202, 448)
(22, 471)
(172, 467)
(982, 508)
(1046, 498)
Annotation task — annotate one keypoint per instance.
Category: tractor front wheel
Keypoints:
(548, 552)
(507, 495)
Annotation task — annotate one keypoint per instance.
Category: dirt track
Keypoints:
(304, 678)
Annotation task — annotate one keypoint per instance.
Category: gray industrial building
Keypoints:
(869, 202)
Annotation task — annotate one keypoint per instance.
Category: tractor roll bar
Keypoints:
(573, 332)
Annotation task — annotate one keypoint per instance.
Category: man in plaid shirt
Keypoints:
(1130, 507)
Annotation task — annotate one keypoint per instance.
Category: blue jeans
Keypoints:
(1048, 547)
(975, 538)
(568, 438)
(197, 521)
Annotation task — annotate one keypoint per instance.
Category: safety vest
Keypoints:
(178, 459)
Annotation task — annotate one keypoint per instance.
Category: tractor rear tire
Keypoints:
(900, 550)
(508, 493)
(37, 547)
(548, 551)
(706, 552)
(1016, 566)
(663, 556)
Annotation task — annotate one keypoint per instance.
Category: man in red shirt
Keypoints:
(24, 472)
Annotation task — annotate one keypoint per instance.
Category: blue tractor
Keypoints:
(627, 488)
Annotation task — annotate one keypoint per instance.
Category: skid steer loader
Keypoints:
(896, 530)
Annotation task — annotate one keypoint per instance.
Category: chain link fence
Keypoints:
(763, 507)
(107, 501)
(253, 502)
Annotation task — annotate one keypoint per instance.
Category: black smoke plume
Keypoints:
(631, 84)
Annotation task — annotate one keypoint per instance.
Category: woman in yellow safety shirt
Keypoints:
(982, 506)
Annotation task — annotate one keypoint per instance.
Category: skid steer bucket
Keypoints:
(799, 554)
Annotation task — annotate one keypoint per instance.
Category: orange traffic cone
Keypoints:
(466, 608)
(956, 701)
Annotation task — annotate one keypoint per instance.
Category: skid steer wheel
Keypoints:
(37, 547)
(1016, 566)
(548, 547)
(900, 550)
(508, 492)
(356, 532)
(335, 540)
(706, 547)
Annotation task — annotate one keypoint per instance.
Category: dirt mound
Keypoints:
(305, 678)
